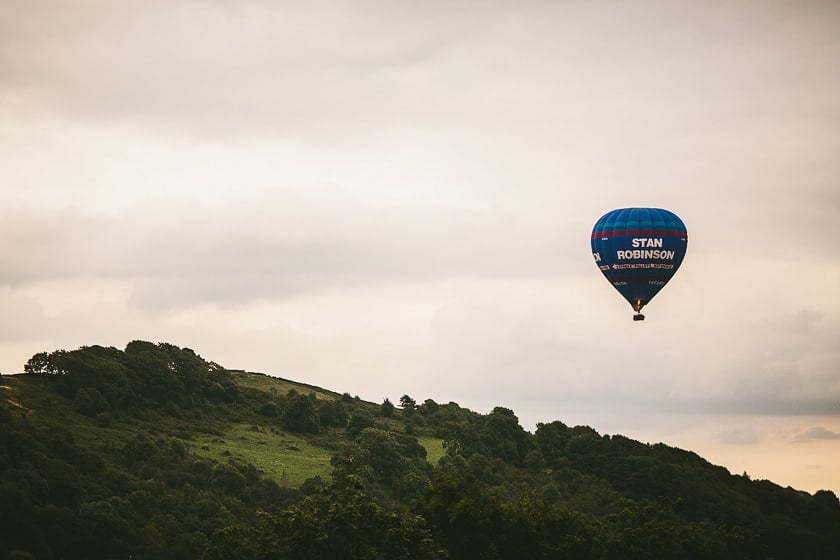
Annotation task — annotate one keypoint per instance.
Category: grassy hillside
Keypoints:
(286, 457)
(154, 452)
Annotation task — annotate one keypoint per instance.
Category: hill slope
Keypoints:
(153, 452)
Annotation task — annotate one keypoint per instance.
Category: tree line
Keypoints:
(499, 491)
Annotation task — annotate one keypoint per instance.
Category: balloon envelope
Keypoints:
(639, 250)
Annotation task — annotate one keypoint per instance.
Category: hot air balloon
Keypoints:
(639, 250)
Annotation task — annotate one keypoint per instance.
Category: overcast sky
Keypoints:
(388, 198)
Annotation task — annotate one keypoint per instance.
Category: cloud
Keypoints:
(275, 244)
(739, 436)
(37, 246)
(338, 69)
(29, 315)
(817, 433)
(254, 68)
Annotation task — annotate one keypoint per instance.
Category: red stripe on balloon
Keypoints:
(624, 232)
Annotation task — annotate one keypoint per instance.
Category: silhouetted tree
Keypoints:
(408, 404)
(387, 408)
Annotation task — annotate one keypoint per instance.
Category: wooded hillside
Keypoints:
(154, 452)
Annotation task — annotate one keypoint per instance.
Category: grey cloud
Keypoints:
(27, 317)
(600, 112)
(781, 364)
(739, 436)
(282, 67)
(657, 392)
(273, 245)
(779, 406)
(785, 366)
(44, 246)
(256, 67)
(817, 433)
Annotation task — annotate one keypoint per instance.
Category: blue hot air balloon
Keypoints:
(639, 250)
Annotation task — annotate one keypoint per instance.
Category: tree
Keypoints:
(332, 413)
(268, 409)
(504, 437)
(463, 515)
(387, 408)
(352, 460)
(39, 363)
(551, 440)
(344, 523)
(228, 479)
(89, 401)
(299, 414)
(408, 404)
(139, 448)
(155, 370)
(359, 420)
(429, 407)
(385, 454)
(95, 367)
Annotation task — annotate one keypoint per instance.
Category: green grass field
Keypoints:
(434, 448)
(287, 459)
(276, 385)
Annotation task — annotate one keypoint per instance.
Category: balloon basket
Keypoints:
(638, 317)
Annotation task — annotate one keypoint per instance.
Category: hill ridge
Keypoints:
(112, 449)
